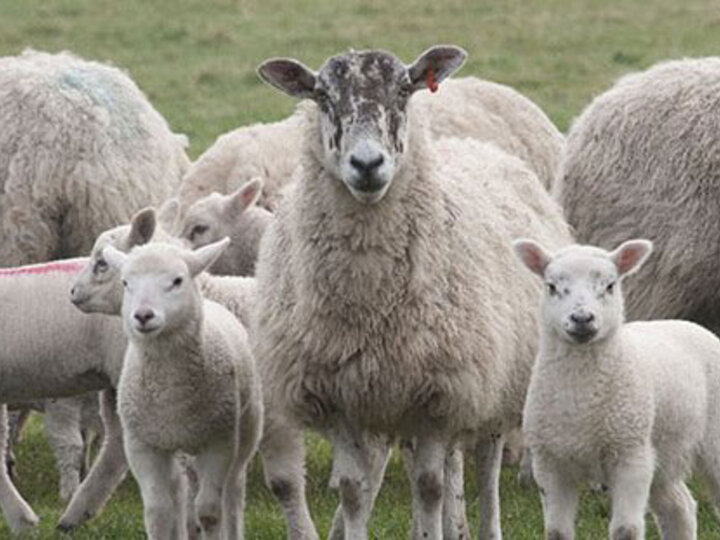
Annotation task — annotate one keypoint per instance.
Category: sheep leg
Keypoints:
(428, 482)
(674, 510)
(352, 471)
(106, 473)
(455, 525)
(63, 432)
(213, 466)
(559, 497)
(157, 474)
(282, 450)
(16, 511)
(629, 490)
(525, 474)
(488, 456)
(379, 450)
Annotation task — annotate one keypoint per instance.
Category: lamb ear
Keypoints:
(630, 255)
(142, 228)
(288, 75)
(168, 215)
(533, 255)
(114, 257)
(244, 197)
(202, 258)
(435, 65)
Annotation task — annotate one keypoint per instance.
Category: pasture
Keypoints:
(196, 62)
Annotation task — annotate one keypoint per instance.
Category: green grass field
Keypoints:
(196, 61)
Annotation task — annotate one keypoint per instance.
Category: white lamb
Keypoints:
(98, 289)
(236, 216)
(467, 107)
(377, 311)
(633, 405)
(189, 385)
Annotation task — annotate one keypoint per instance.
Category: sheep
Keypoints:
(235, 216)
(83, 150)
(188, 384)
(375, 313)
(467, 107)
(643, 160)
(633, 405)
(98, 289)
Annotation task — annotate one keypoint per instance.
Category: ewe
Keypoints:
(467, 107)
(377, 313)
(631, 405)
(188, 384)
(643, 160)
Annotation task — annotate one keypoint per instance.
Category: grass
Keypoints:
(196, 61)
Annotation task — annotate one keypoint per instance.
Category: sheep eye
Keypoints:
(405, 91)
(100, 266)
(321, 95)
(177, 282)
(124, 283)
(552, 289)
(197, 230)
(610, 288)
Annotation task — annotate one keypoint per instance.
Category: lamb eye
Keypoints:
(197, 230)
(321, 95)
(405, 91)
(177, 281)
(124, 283)
(552, 289)
(100, 266)
(610, 288)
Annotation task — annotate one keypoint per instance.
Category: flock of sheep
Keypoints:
(366, 268)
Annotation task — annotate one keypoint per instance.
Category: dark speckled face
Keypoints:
(363, 100)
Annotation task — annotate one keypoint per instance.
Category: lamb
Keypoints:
(467, 107)
(188, 384)
(374, 311)
(98, 289)
(633, 405)
(642, 160)
(235, 216)
(83, 150)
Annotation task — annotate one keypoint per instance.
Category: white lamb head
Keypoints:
(159, 292)
(216, 216)
(97, 289)
(583, 299)
(362, 99)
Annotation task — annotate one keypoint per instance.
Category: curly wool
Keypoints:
(643, 160)
(392, 314)
(467, 107)
(82, 150)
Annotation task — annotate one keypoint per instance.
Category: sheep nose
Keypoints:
(143, 315)
(366, 165)
(582, 319)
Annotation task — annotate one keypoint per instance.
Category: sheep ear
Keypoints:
(246, 196)
(202, 258)
(114, 257)
(168, 215)
(288, 75)
(142, 228)
(435, 65)
(630, 255)
(533, 255)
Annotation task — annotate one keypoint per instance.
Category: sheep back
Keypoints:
(81, 149)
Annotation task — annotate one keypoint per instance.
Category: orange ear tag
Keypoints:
(431, 84)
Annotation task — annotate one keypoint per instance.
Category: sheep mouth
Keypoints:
(581, 335)
(146, 330)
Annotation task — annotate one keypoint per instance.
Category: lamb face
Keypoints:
(363, 101)
(583, 299)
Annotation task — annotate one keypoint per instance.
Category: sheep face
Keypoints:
(583, 299)
(97, 288)
(159, 293)
(362, 99)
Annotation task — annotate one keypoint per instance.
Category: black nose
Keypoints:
(366, 166)
(582, 318)
(144, 315)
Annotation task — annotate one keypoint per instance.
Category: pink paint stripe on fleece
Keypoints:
(65, 266)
